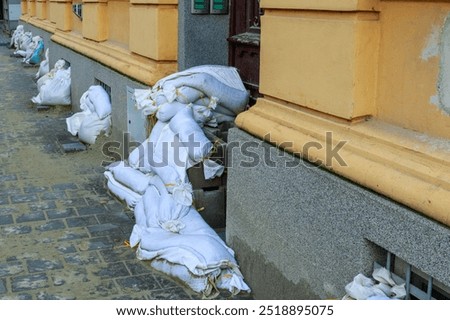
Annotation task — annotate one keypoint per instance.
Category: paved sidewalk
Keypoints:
(61, 234)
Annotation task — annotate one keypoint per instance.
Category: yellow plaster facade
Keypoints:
(368, 74)
(111, 32)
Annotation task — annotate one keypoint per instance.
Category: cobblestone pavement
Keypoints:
(61, 234)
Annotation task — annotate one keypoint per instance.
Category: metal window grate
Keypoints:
(104, 86)
(418, 285)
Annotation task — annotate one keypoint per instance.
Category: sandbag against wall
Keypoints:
(55, 91)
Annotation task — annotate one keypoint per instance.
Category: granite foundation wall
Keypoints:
(301, 232)
(202, 39)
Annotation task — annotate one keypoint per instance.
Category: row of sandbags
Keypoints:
(53, 84)
(27, 46)
(153, 181)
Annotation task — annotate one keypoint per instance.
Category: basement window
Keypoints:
(418, 285)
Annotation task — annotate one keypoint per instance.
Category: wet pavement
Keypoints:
(62, 235)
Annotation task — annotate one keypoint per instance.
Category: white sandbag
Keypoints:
(74, 122)
(89, 103)
(190, 134)
(44, 66)
(140, 96)
(163, 211)
(227, 75)
(55, 91)
(139, 157)
(205, 101)
(159, 98)
(141, 223)
(92, 126)
(100, 100)
(199, 284)
(231, 98)
(183, 193)
(15, 36)
(150, 109)
(59, 65)
(383, 275)
(131, 178)
(120, 191)
(183, 94)
(168, 110)
(198, 249)
(24, 41)
(361, 288)
(22, 53)
(203, 115)
(212, 169)
(398, 292)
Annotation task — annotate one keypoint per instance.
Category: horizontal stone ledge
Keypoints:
(134, 66)
(400, 164)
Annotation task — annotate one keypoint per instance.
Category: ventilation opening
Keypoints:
(418, 284)
(104, 86)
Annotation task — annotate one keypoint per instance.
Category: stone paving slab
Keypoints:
(62, 235)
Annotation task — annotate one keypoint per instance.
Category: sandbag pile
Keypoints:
(381, 287)
(54, 86)
(30, 48)
(154, 182)
(94, 118)
(215, 93)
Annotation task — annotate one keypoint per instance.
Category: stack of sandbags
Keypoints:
(215, 94)
(54, 87)
(126, 183)
(178, 242)
(169, 231)
(33, 52)
(23, 40)
(95, 117)
(48, 76)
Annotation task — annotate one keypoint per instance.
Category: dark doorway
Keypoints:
(244, 42)
(1, 9)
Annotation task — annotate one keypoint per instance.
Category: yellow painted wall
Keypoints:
(154, 31)
(409, 68)
(318, 59)
(375, 73)
(357, 58)
(118, 21)
(141, 42)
